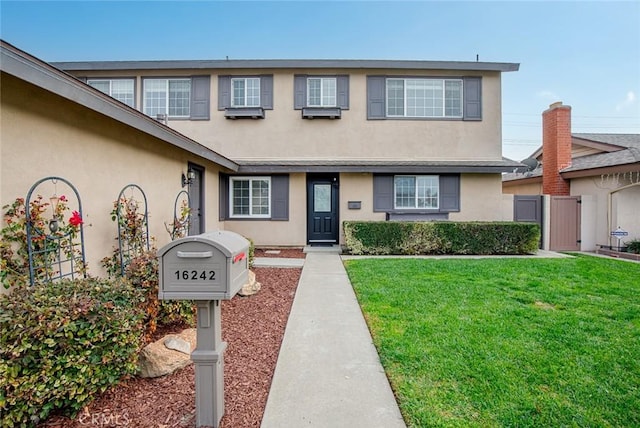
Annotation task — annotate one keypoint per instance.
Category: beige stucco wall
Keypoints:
(625, 205)
(44, 135)
(532, 188)
(283, 134)
(357, 187)
(481, 199)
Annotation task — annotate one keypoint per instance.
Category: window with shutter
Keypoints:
(253, 197)
(416, 194)
(321, 96)
(245, 96)
(424, 98)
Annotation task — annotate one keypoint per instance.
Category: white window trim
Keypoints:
(167, 80)
(244, 79)
(322, 93)
(250, 179)
(111, 80)
(444, 101)
(415, 205)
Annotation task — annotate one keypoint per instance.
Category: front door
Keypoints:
(322, 209)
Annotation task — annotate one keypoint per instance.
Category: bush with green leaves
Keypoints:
(62, 343)
(142, 271)
(633, 246)
(441, 237)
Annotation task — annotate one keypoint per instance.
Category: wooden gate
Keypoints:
(528, 208)
(564, 227)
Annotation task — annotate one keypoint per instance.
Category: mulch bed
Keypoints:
(292, 253)
(252, 326)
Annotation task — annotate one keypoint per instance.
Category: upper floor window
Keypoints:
(424, 97)
(246, 92)
(321, 91)
(120, 89)
(321, 96)
(250, 197)
(245, 96)
(416, 191)
(171, 97)
(394, 97)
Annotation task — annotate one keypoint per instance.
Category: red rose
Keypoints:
(76, 219)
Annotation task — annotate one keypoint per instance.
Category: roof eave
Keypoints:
(266, 168)
(286, 64)
(613, 169)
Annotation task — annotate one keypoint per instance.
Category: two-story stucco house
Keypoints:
(319, 142)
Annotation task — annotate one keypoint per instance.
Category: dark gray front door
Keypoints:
(322, 209)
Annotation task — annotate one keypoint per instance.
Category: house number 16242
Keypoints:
(195, 275)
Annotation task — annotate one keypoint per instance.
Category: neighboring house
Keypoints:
(318, 142)
(603, 170)
(53, 125)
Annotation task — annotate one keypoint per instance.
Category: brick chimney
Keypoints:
(556, 148)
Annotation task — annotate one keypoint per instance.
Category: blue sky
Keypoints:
(585, 54)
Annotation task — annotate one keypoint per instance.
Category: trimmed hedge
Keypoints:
(63, 342)
(444, 237)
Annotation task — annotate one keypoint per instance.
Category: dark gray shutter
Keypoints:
(299, 91)
(382, 192)
(342, 83)
(472, 93)
(200, 88)
(375, 97)
(223, 192)
(224, 92)
(266, 91)
(449, 193)
(280, 197)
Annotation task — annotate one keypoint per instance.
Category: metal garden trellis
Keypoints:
(54, 254)
(133, 238)
(180, 225)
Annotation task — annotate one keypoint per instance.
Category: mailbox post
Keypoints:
(205, 268)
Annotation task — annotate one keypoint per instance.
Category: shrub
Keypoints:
(142, 271)
(62, 343)
(60, 245)
(633, 246)
(415, 238)
(252, 253)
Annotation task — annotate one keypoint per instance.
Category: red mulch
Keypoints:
(252, 326)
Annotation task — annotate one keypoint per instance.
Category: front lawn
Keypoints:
(506, 342)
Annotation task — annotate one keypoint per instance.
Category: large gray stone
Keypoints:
(156, 359)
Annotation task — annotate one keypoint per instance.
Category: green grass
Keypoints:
(506, 342)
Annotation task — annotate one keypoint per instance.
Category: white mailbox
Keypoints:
(209, 266)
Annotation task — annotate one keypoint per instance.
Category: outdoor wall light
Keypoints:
(53, 223)
(188, 179)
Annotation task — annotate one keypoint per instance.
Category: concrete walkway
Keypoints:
(328, 372)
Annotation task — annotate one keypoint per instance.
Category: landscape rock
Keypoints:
(156, 359)
(251, 287)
